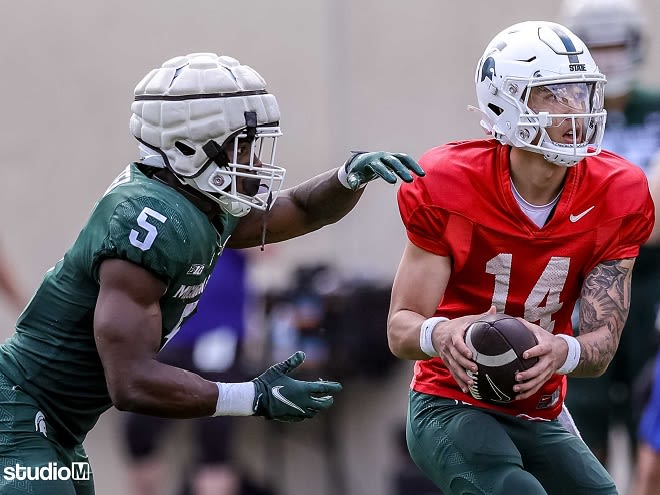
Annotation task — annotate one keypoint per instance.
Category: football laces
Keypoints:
(474, 388)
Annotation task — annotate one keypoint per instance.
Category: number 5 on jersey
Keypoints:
(145, 238)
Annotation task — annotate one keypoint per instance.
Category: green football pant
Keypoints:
(31, 459)
(465, 450)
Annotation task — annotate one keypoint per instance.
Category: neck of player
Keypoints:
(536, 180)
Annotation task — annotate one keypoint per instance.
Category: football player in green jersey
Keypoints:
(206, 179)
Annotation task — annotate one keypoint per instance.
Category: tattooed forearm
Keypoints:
(605, 301)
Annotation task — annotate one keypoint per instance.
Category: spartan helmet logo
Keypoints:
(40, 423)
(488, 69)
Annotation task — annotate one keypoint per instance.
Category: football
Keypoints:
(497, 343)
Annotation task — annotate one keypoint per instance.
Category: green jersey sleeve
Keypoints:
(148, 230)
(145, 231)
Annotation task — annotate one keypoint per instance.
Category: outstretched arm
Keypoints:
(127, 330)
(321, 200)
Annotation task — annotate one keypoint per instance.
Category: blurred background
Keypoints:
(348, 75)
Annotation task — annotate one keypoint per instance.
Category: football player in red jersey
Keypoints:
(523, 223)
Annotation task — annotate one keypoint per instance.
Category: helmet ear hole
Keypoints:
(184, 148)
(495, 109)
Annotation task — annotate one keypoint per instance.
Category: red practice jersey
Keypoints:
(464, 208)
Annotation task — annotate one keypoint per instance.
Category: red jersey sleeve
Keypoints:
(633, 207)
(425, 222)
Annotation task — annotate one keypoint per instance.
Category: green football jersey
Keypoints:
(52, 356)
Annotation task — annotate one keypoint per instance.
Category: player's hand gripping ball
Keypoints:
(497, 343)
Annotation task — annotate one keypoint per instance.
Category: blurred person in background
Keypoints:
(523, 223)
(206, 179)
(646, 477)
(615, 32)
(210, 345)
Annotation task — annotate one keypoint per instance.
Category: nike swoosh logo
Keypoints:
(501, 396)
(575, 218)
(278, 395)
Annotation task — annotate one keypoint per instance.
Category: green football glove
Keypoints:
(277, 396)
(364, 166)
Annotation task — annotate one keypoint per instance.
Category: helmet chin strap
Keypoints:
(264, 218)
(215, 153)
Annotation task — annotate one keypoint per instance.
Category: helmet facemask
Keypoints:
(240, 174)
(572, 111)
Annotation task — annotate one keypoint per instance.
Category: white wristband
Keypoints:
(342, 172)
(235, 399)
(426, 334)
(342, 175)
(573, 356)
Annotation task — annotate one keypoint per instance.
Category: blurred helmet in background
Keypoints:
(614, 31)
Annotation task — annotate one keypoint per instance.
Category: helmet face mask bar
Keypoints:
(196, 112)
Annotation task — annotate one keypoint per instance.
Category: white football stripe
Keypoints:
(492, 361)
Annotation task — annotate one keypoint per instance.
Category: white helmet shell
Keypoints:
(531, 54)
(200, 100)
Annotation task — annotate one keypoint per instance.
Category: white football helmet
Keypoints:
(537, 54)
(604, 24)
(195, 108)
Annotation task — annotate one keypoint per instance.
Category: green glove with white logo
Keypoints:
(365, 166)
(280, 397)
